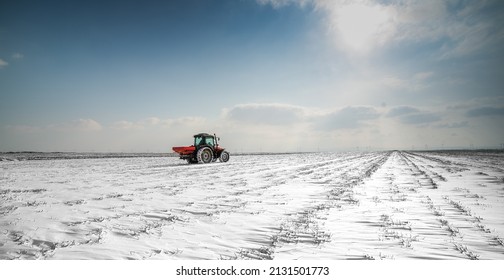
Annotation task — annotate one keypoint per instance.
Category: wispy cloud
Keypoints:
(351, 117)
(420, 118)
(359, 26)
(3, 63)
(126, 125)
(416, 82)
(282, 3)
(129, 125)
(186, 121)
(401, 111)
(17, 56)
(413, 116)
(271, 126)
(77, 125)
(155, 122)
(362, 25)
(347, 118)
(485, 111)
(461, 124)
(265, 114)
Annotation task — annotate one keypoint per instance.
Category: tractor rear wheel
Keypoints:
(204, 155)
(224, 156)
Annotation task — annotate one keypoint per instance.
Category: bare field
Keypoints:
(383, 205)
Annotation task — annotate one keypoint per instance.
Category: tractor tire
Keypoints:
(224, 156)
(204, 155)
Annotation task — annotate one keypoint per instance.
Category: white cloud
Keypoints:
(421, 10)
(288, 116)
(126, 125)
(77, 125)
(141, 124)
(185, 121)
(15, 56)
(347, 118)
(287, 127)
(152, 121)
(3, 63)
(87, 124)
(271, 127)
(360, 26)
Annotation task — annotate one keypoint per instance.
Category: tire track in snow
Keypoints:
(303, 229)
(396, 217)
(468, 232)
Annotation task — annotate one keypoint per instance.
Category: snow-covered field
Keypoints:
(383, 205)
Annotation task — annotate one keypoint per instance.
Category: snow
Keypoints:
(380, 205)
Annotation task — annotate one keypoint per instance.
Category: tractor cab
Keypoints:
(205, 139)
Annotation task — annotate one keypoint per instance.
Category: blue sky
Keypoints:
(266, 75)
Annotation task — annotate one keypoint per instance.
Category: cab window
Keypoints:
(198, 141)
(210, 141)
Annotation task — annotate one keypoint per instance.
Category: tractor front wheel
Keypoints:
(224, 156)
(204, 155)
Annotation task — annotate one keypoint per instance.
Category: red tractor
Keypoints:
(204, 150)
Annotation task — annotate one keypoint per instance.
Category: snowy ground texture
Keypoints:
(384, 205)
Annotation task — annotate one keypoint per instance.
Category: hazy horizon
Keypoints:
(29, 155)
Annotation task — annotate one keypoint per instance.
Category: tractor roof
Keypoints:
(203, 135)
